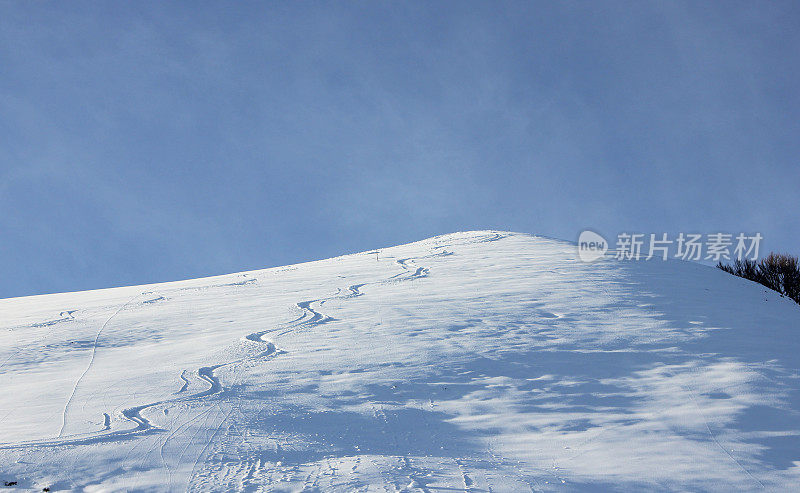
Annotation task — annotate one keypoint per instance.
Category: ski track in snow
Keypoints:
(89, 365)
(133, 414)
(185, 382)
(307, 320)
(311, 318)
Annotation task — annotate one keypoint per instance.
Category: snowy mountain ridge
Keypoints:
(473, 361)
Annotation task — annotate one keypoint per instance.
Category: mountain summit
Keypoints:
(478, 361)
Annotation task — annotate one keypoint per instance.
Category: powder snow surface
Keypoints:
(468, 362)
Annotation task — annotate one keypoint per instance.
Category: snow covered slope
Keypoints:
(468, 362)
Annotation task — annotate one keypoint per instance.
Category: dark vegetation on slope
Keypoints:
(779, 272)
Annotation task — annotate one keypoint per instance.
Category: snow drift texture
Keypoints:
(465, 362)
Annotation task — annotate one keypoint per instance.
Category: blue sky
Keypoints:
(153, 141)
